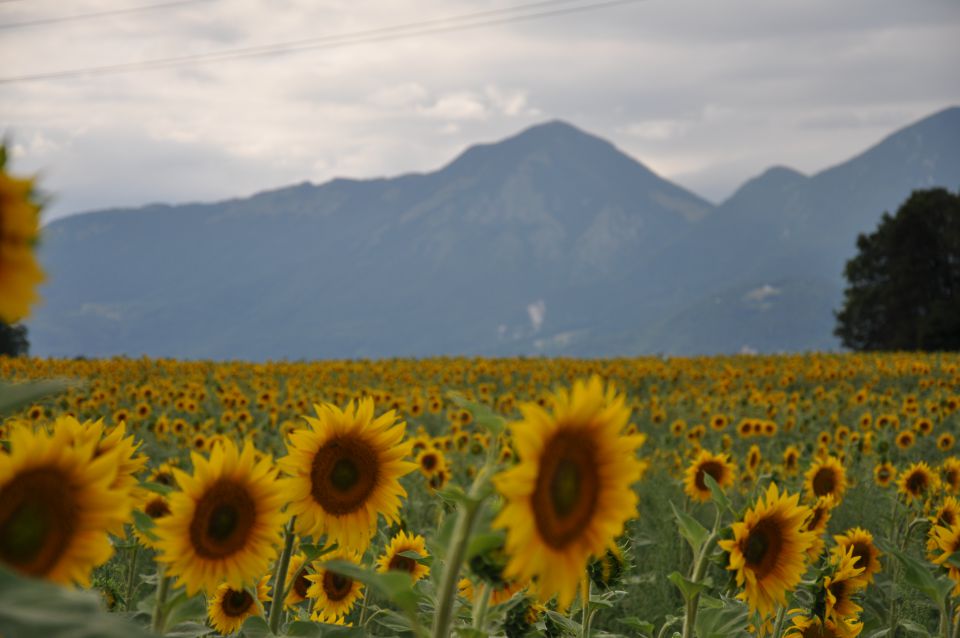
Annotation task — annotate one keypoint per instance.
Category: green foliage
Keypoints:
(904, 283)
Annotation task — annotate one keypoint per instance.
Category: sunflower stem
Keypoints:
(131, 577)
(585, 621)
(159, 613)
(363, 607)
(481, 604)
(778, 624)
(280, 578)
(466, 516)
(696, 575)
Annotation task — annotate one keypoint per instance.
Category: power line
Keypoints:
(382, 34)
(95, 14)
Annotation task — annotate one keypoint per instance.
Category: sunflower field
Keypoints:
(808, 495)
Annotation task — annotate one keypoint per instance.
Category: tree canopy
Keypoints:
(903, 286)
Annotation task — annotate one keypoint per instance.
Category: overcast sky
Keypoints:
(705, 92)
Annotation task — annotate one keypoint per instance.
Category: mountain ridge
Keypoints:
(552, 241)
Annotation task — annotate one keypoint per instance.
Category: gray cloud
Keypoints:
(705, 93)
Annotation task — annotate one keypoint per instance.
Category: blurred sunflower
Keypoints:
(884, 474)
(20, 274)
(346, 468)
(945, 442)
(950, 470)
(917, 482)
(768, 549)
(225, 524)
(811, 626)
(817, 523)
(570, 495)
(718, 466)
(840, 587)
(393, 558)
(56, 505)
(826, 477)
(229, 607)
(297, 582)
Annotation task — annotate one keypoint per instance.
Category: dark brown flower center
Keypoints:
(762, 547)
(301, 583)
(157, 508)
(344, 473)
(403, 564)
(336, 586)
(917, 483)
(236, 603)
(37, 519)
(568, 484)
(824, 481)
(223, 520)
(714, 468)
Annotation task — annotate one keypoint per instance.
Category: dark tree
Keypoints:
(903, 289)
(13, 340)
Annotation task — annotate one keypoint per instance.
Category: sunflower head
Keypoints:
(817, 523)
(398, 556)
(884, 474)
(717, 466)
(20, 274)
(225, 524)
(860, 543)
(345, 470)
(57, 502)
(826, 477)
(917, 482)
(768, 549)
(229, 607)
(570, 495)
(841, 585)
(334, 593)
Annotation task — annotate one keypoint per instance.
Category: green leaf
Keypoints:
(719, 497)
(455, 495)
(642, 627)
(483, 416)
(470, 632)
(30, 607)
(255, 627)
(918, 575)
(690, 529)
(306, 629)
(313, 552)
(145, 524)
(159, 488)
(411, 554)
(480, 544)
(721, 618)
(395, 585)
(687, 587)
(182, 608)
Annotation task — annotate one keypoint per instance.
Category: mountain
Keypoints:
(479, 256)
(548, 242)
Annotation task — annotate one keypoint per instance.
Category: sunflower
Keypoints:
(297, 582)
(56, 505)
(947, 540)
(826, 476)
(229, 607)
(19, 229)
(570, 495)
(334, 594)
(155, 506)
(905, 439)
(754, 457)
(224, 525)
(945, 442)
(791, 459)
(860, 543)
(917, 482)
(817, 523)
(430, 462)
(811, 626)
(768, 549)
(885, 473)
(346, 468)
(392, 558)
(950, 470)
(718, 466)
(498, 595)
(840, 587)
